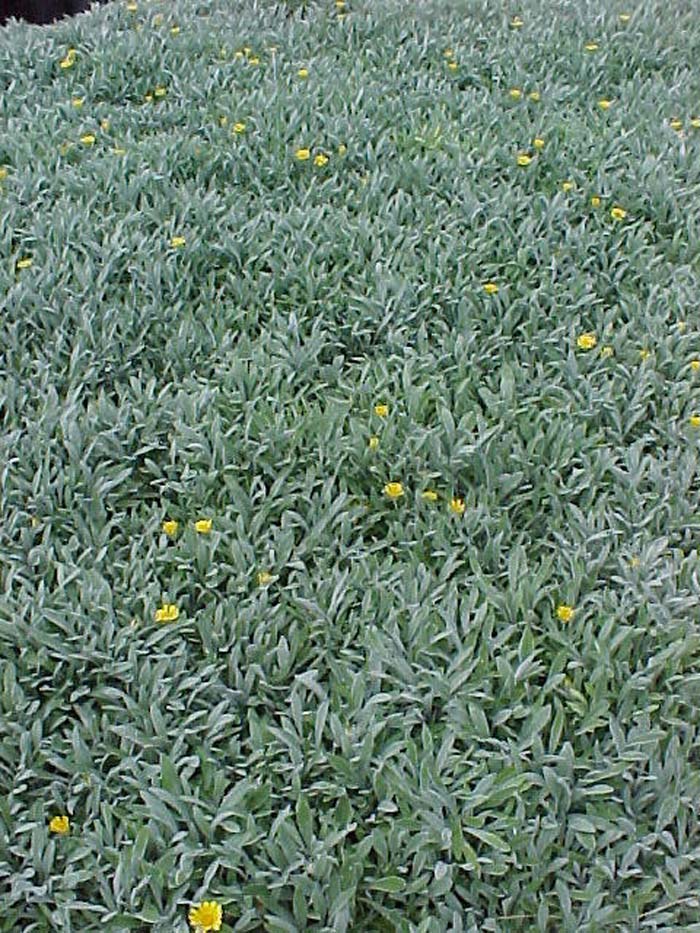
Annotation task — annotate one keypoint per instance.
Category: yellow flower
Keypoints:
(429, 495)
(695, 123)
(78, 102)
(694, 421)
(247, 50)
(567, 186)
(676, 124)
(381, 410)
(67, 62)
(695, 365)
(148, 98)
(60, 825)
(538, 142)
(534, 96)
(104, 125)
(3, 173)
(644, 354)
(591, 46)
(174, 30)
(223, 120)
(565, 613)
(117, 150)
(605, 104)
(342, 149)
(321, 160)
(393, 490)
(132, 7)
(587, 341)
(606, 351)
(681, 325)
(453, 66)
(303, 154)
(203, 526)
(624, 17)
(160, 91)
(524, 158)
(457, 506)
(170, 527)
(88, 139)
(206, 917)
(516, 23)
(254, 61)
(618, 213)
(264, 578)
(167, 613)
(515, 93)
(491, 288)
(635, 562)
(24, 263)
(373, 442)
(448, 53)
(595, 201)
(239, 127)
(303, 72)
(177, 241)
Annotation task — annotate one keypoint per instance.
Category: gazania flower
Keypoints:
(3, 173)
(239, 127)
(516, 23)
(605, 104)
(381, 410)
(393, 490)
(320, 160)
(24, 263)
(177, 241)
(538, 142)
(534, 96)
(342, 149)
(264, 578)
(523, 158)
(644, 354)
(203, 526)
(60, 825)
(303, 154)
(618, 213)
(491, 288)
(695, 123)
(694, 421)
(448, 53)
(105, 125)
(429, 495)
(170, 528)
(174, 30)
(303, 73)
(88, 139)
(695, 366)
(515, 93)
(373, 442)
(78, 102)
(624, 17)
(457, 506)
(565, 613)
(160, 91)
(676, 124)
(254, 61)
(606, 351)
(587, 341)
(167, 613)
(117, 150)
(567, 186)
(206, 917)
(591, 46)
(453, 66)
(595, 201)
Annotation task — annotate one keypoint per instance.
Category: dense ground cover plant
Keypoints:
(350, 403)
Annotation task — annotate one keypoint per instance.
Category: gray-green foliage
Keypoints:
(397, 733)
